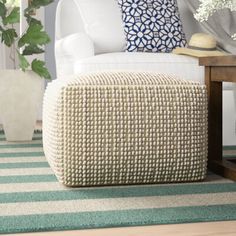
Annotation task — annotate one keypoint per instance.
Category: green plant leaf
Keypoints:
(29, 10)
(13, 17)
(39, 68)
(30, 20)
(36, 4)
(23, 63)
(9, 36)
(34, 36)
(40, 3)
(3, 9)
(32, 49)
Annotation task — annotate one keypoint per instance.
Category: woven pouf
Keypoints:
(116, 128)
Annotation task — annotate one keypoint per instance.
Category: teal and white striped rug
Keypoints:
(31, 199)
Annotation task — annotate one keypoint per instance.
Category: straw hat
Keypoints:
(201, 45)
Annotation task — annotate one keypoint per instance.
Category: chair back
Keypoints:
(68, 19)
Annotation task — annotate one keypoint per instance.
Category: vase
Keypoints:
(21, 94)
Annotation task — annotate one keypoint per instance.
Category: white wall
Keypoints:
(5, 61)
(50, 14)
(229, 118)
(2, 57)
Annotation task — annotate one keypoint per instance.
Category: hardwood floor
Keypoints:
(227, 228)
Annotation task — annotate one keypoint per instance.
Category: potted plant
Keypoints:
(21, 89)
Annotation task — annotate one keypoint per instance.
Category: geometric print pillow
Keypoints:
(152, 25)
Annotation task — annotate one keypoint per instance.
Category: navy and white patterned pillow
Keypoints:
(152, 25)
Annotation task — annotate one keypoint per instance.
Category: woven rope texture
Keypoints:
(125, 128)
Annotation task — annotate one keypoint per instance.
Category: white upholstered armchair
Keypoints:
(92, 39)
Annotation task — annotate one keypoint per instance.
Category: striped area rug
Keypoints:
(32, 200)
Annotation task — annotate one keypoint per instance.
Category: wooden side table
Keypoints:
(218, 70)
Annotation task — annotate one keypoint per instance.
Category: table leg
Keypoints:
(215, 162)
(215, 122)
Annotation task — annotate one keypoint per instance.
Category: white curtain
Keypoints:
(222, 25)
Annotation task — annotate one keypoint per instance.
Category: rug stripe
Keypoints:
(31, 187)
(22, 159)
(229, 156)
(20, 150)
(214, 177)
(113, 192)
(21, 145)
(2, 135)
(2, 143)
(37, 187)
(27, 179)
(28, 171)
(24, 165)
(34, 138)
(229, 147)
(89, 220)
(45, 171)
(41, 195)
(22, 154)
(110, 204)
(37, 138)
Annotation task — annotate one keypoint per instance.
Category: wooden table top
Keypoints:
(229, 60)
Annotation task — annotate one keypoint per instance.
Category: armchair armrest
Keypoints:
(75, 46)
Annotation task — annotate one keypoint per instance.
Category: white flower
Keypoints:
(12, 3)
(208, 7)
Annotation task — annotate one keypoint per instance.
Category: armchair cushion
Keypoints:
(152, 26)
(77, 46)
(103, 23)
(70, 49)
(164, 63)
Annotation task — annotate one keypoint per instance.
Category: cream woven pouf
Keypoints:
(125, 128)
